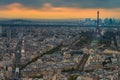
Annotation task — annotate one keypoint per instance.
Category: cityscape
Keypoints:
(59, 48)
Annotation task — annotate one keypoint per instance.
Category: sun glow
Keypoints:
(47, 11)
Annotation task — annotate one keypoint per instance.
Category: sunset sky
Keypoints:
(59, 9)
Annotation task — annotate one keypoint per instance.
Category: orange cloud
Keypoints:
(17, 10)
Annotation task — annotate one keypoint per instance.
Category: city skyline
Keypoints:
(59, 39)
(60, 9)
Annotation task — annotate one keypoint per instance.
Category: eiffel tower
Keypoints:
(97, 27)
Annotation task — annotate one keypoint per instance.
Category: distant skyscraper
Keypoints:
(0, 30)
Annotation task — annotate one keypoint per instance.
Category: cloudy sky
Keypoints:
(59, 9)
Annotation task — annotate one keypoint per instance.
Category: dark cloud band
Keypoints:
(66, 3)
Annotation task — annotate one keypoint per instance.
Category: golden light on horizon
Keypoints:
(48, 11)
